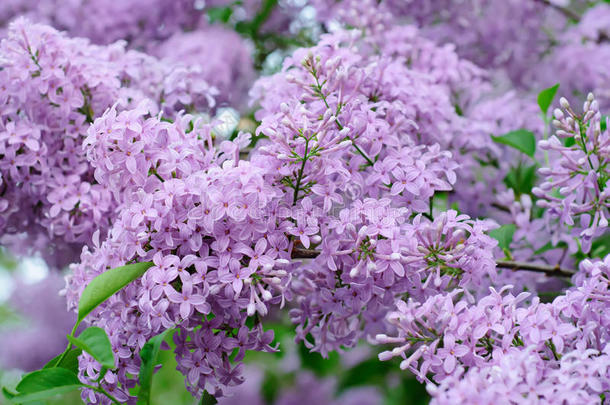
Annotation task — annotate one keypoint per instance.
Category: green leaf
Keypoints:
(504, 235)
(604, 124)
(107, 284)
(601, 246)
(69, 362)
(94, 341)
(440, 202)
(45, 383)
(270, 387)
(263, 14)
(545, 98)
(315, 362)
(369, 372)
(207, 399)
(521, 139)
(521, 179)
(219, 14)
(569, 141)
(149, 355)
(8, 394)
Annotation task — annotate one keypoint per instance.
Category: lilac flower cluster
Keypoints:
(224, 59)
(505, 346)
(211, 226)
(481, 30)
(175, 30)
(577, 58)
(219, 232)
(369, 258)
(405, 83)
(107, 21)
(51, 89)
(368, 125)
(522, 376)
(575, 191)
(552, 42)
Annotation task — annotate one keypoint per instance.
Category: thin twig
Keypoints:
(299, 253)
(500, 207)
(540, 268)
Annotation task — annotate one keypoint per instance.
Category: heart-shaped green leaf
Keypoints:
(69, 362)
(521, 139)
(94, 341)
(107, 284)
(504, 235)
(545, 98)
(45, 383)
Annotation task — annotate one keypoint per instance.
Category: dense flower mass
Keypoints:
(390, 176)
(53, 87)
(207, 222)
(545, 353)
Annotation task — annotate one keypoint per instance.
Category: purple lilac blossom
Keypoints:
(223, 56)
(195, 212)
(482, 30)
(104, 22)
(575, 191)
(51, 88)
(538, 346)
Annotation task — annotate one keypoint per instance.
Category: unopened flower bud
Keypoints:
(589, 115)
(557, 113)
(385, 356)
(266, 295)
